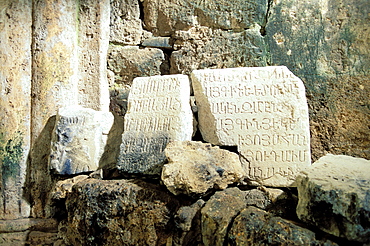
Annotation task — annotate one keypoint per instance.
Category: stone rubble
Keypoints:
(55, 54)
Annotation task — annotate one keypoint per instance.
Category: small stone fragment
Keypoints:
(196, 168)
(334, 195)
(78, 140)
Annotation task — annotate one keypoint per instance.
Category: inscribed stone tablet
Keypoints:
(78, 139)
(261, 110)
(158, 111)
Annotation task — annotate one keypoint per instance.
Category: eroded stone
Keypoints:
(129, 62)
(261, 110)
(78, 141)
(218, 213)
(15, 106)
(196, 168)
(121, 212)
(194, 49)
(164, 17)
(334, 195)
(253, 226)
(151, 122)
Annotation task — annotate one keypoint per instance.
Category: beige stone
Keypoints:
(196, 168)
(78, 140)
(334, 195)
(125, 23)
(264, 112)
(152, 121)
(93, 41)
(54, 60)
(15, 105)
(164, 17)
(129, 62)
(194, 49)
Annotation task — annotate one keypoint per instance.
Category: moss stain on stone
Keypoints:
(11, 152)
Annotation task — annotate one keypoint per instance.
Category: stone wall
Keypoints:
(55, 54)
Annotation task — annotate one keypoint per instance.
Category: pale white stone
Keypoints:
(78, 140)
(263, 111)
(334, 195)
(158, 111)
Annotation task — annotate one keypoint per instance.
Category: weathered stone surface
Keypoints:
(78, 140)
(15, 238)
(327, 45)
(164, 17)
(257, 198)
(129, 62)
(93, 41)
(203, 47)
(54, 61)
(15, 105)
(125, 23)
(151, 123)
(195, 168)
(119, 212)
(63, 187)
(41, 238)
(187, 221)
(254, 226)
(28, 231)
(334, 195)
(264, 112)
(46, 225)
(218, 213)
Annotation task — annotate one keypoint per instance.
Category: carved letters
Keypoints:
(264, 112)
(158, 111)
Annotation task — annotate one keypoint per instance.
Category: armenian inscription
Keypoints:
(158, 111)
(261, 110)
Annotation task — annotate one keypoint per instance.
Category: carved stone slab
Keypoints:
(78, 140)
(158, 111)
(263, 111)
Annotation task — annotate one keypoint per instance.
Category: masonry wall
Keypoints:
(58, 53)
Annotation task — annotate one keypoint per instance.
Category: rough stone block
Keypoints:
(129, 62)
(334, 195)
(218, 213)
(125, 23)
(119, 212)
(164, 17)
(93, 41)
(78, 140)
(194, 49)
(152, 121)
(196, 168)
(264, 112)
(253, 226)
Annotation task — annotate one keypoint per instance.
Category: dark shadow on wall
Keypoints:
(39, 181)
(109, 158)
